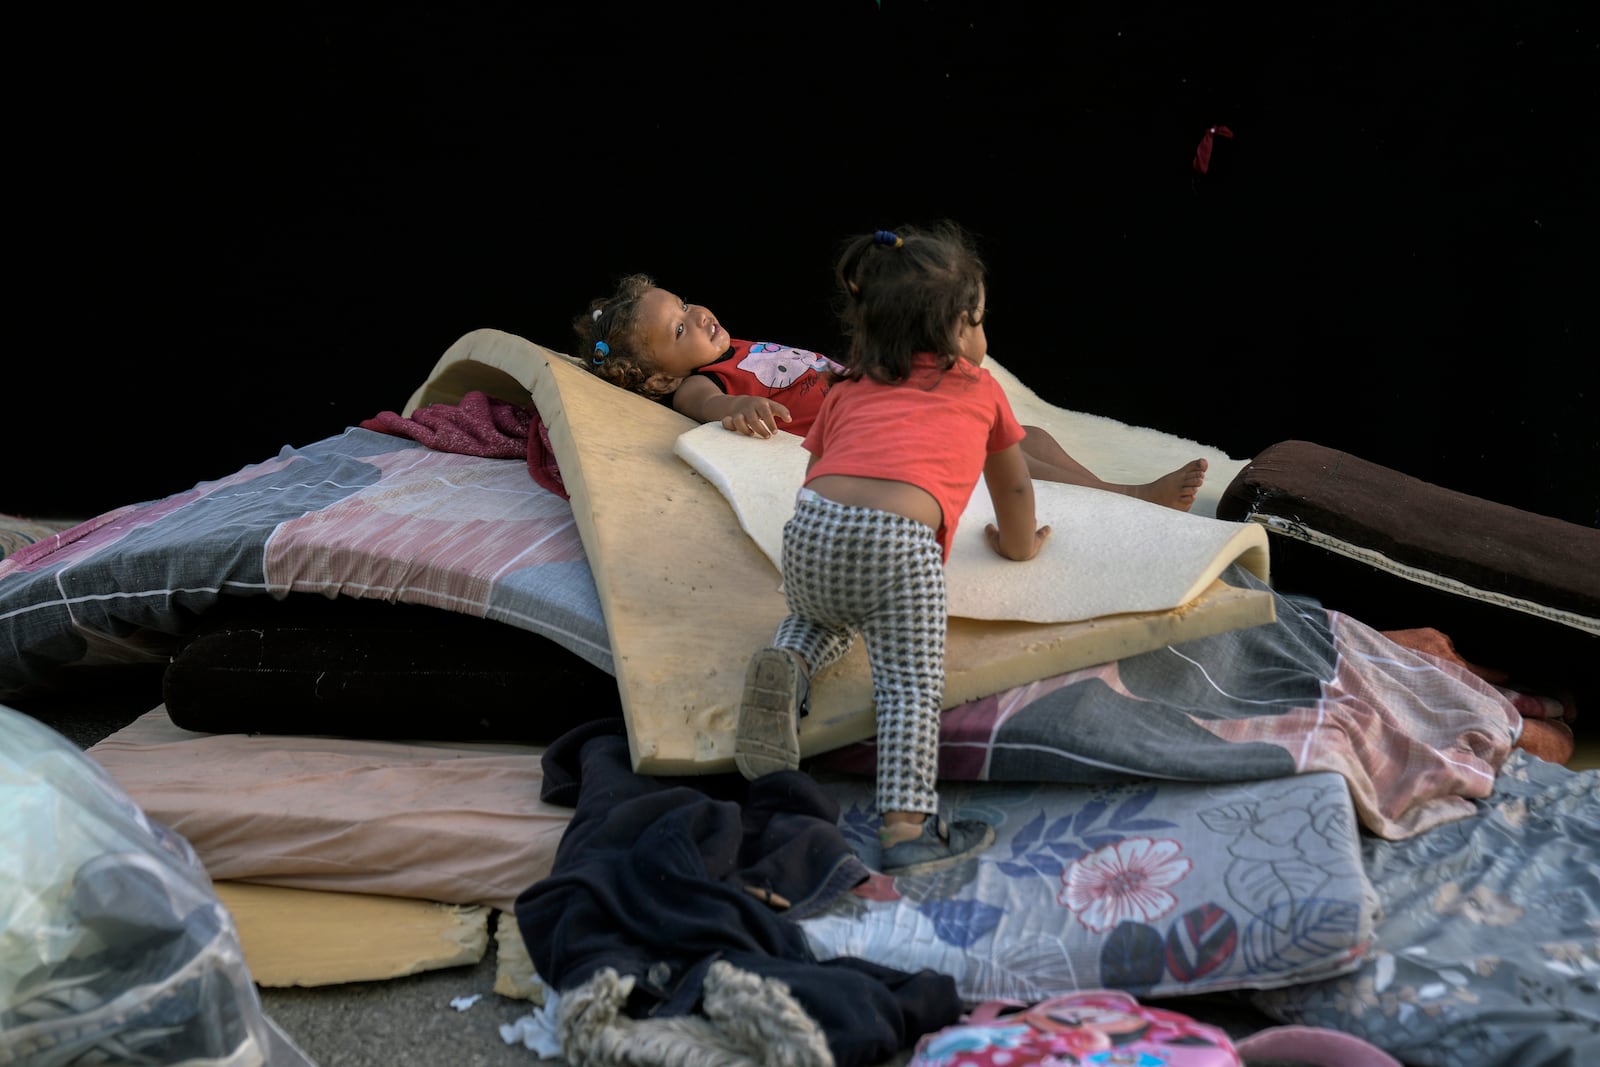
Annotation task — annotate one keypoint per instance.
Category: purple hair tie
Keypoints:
(887, 237)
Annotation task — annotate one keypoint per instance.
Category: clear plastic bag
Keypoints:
(114, 948)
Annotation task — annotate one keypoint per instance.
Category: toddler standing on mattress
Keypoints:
(649, 341)
(897, 447)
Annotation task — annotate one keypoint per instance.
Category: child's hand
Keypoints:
(755, 416)
(991, 534)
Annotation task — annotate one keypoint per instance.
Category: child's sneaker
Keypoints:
(775, 696)
(941, 844)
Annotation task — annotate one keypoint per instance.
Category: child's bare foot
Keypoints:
(1175, 490)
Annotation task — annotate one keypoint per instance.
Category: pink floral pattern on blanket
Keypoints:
(1156, 889)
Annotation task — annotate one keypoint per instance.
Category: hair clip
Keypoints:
(887, 237)
(594, 316)
(601, 351)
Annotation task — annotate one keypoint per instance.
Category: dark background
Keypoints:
(253, 228)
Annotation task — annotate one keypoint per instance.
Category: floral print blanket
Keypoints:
(1157, 889)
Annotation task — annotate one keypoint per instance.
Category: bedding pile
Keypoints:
(1312, 814)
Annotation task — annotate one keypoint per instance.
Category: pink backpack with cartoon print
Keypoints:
(1092, 1027)
(1107, 1028)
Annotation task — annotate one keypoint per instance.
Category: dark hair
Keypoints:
(905, 291)
(627, 363)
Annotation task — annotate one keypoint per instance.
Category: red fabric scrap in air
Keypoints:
(1202, 155)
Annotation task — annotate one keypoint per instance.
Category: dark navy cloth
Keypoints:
(650, 880)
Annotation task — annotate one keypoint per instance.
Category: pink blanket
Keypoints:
(480, 425)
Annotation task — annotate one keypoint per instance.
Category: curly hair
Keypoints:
(612, 321)
(905, 291)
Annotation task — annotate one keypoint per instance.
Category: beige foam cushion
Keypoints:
(688, 596)
(304, 937)
(1107, 554)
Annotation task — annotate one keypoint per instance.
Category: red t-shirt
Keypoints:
(934, 430)
(794, 377)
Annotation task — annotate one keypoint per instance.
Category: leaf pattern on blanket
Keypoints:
(1142, 887)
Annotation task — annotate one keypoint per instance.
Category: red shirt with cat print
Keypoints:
(794, 377)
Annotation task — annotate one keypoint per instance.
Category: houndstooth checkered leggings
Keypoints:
(849, 570)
